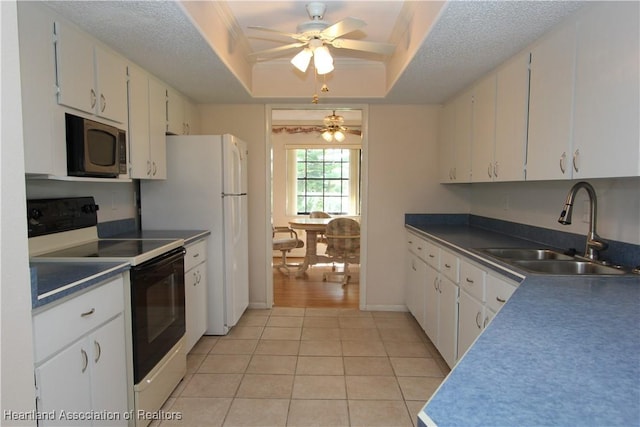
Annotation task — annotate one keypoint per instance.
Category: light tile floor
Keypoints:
(304, 367)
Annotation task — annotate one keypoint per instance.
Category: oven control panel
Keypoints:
(47, 216)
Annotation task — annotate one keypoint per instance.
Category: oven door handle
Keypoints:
(165, 258)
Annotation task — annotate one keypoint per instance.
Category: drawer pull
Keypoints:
(419, 248)
(88, 313)
(501, 300)
(196, 255)
(469, 280)
(478, 321)
(432, 256)
(85, 360)
(447, 265)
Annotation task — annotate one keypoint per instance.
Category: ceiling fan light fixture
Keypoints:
(322, 60)
(339, 136)
(327, 136)
(302, 59)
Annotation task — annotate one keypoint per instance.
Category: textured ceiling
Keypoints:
(468, 39)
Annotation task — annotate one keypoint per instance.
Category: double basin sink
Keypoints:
(547, 261)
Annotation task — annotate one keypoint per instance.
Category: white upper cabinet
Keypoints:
(512, 103)
(606, 138)
(484, 129)
(182, 116)
(89, 78)
(550, 106)
(455, 139)
(446, 145)
(584, 108)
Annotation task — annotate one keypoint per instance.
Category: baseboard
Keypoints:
(385, 308)
(258, 306)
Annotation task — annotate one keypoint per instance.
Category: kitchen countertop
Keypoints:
(51, 281)
(564, 350)
(189, 236)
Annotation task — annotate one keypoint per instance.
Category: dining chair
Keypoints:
(343, 245)
(286, 243)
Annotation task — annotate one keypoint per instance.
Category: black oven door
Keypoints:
(158, 313)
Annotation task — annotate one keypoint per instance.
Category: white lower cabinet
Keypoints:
(452, 298)
(195, 282)
(84, 377)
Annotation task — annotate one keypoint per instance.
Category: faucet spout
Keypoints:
(594, 242)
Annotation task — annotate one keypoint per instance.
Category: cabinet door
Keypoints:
(551, 106)
(471, 318)
(484, 129)
(139, 155)
(416, 284)
(106, 347)
(157, 127)
(463, 132)
(512, 102)
(74, 66)
(195, 282)
(64, 385)
(175, 113)
(431, 304)
(607, 111)
(448, 321)
(191, 118)
(111, 86)
(447, 145)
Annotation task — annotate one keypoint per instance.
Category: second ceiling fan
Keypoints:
(316, 35)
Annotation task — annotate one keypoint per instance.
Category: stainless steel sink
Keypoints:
(526, 254)
(566, 267)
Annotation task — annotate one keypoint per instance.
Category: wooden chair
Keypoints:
(286, 243)
(343, 245)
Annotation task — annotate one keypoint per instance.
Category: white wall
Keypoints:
(403, 178)
(16, 354)
(540, 203)
(248, 122)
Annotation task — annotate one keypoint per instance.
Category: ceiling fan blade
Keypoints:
(282, 33)
(374, 47)
(345, 26)
(278, 49)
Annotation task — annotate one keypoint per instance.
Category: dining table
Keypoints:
(312, 228)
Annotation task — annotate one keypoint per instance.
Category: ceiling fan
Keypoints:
(317, 35)
(334, 129)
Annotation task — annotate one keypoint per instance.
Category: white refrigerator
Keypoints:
(206, 189)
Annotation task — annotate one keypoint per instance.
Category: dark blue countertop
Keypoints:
(564, 350)
(189, 236)
(51, 281)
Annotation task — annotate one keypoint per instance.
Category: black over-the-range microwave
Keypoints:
(95, 149)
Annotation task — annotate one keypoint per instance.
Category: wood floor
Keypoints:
(311, 291)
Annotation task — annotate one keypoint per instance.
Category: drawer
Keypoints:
(196, 253)
(450, 265)
(432, 254)
(498, 292)
(424, 249)
(472, 279)
(59, 326)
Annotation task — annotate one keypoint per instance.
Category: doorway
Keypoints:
(291, 129)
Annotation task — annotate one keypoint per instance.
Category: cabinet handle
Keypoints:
(455, 173)
(469, 280)
(148, 167)
(410, 242)
(447, 265)
(188, 129)
(85, 360)
(435, 283)
(98, 351)
(196, 255)
(419, 248)
(576, 158)
(486, 322)
(93, 98)
(495, 169)
(103, 103)
(500, 300)
(489, 170)
(413, 265)
(563, 162)
(155, 169)
(478, 321)
(432, 256)
(88, 313)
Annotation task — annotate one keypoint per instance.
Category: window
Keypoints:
(324, 179)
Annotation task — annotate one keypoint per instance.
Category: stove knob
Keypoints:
(35, 213)
(89, 208)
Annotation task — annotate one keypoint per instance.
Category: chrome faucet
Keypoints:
(594, 242)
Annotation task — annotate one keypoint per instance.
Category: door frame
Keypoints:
(363, 190)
